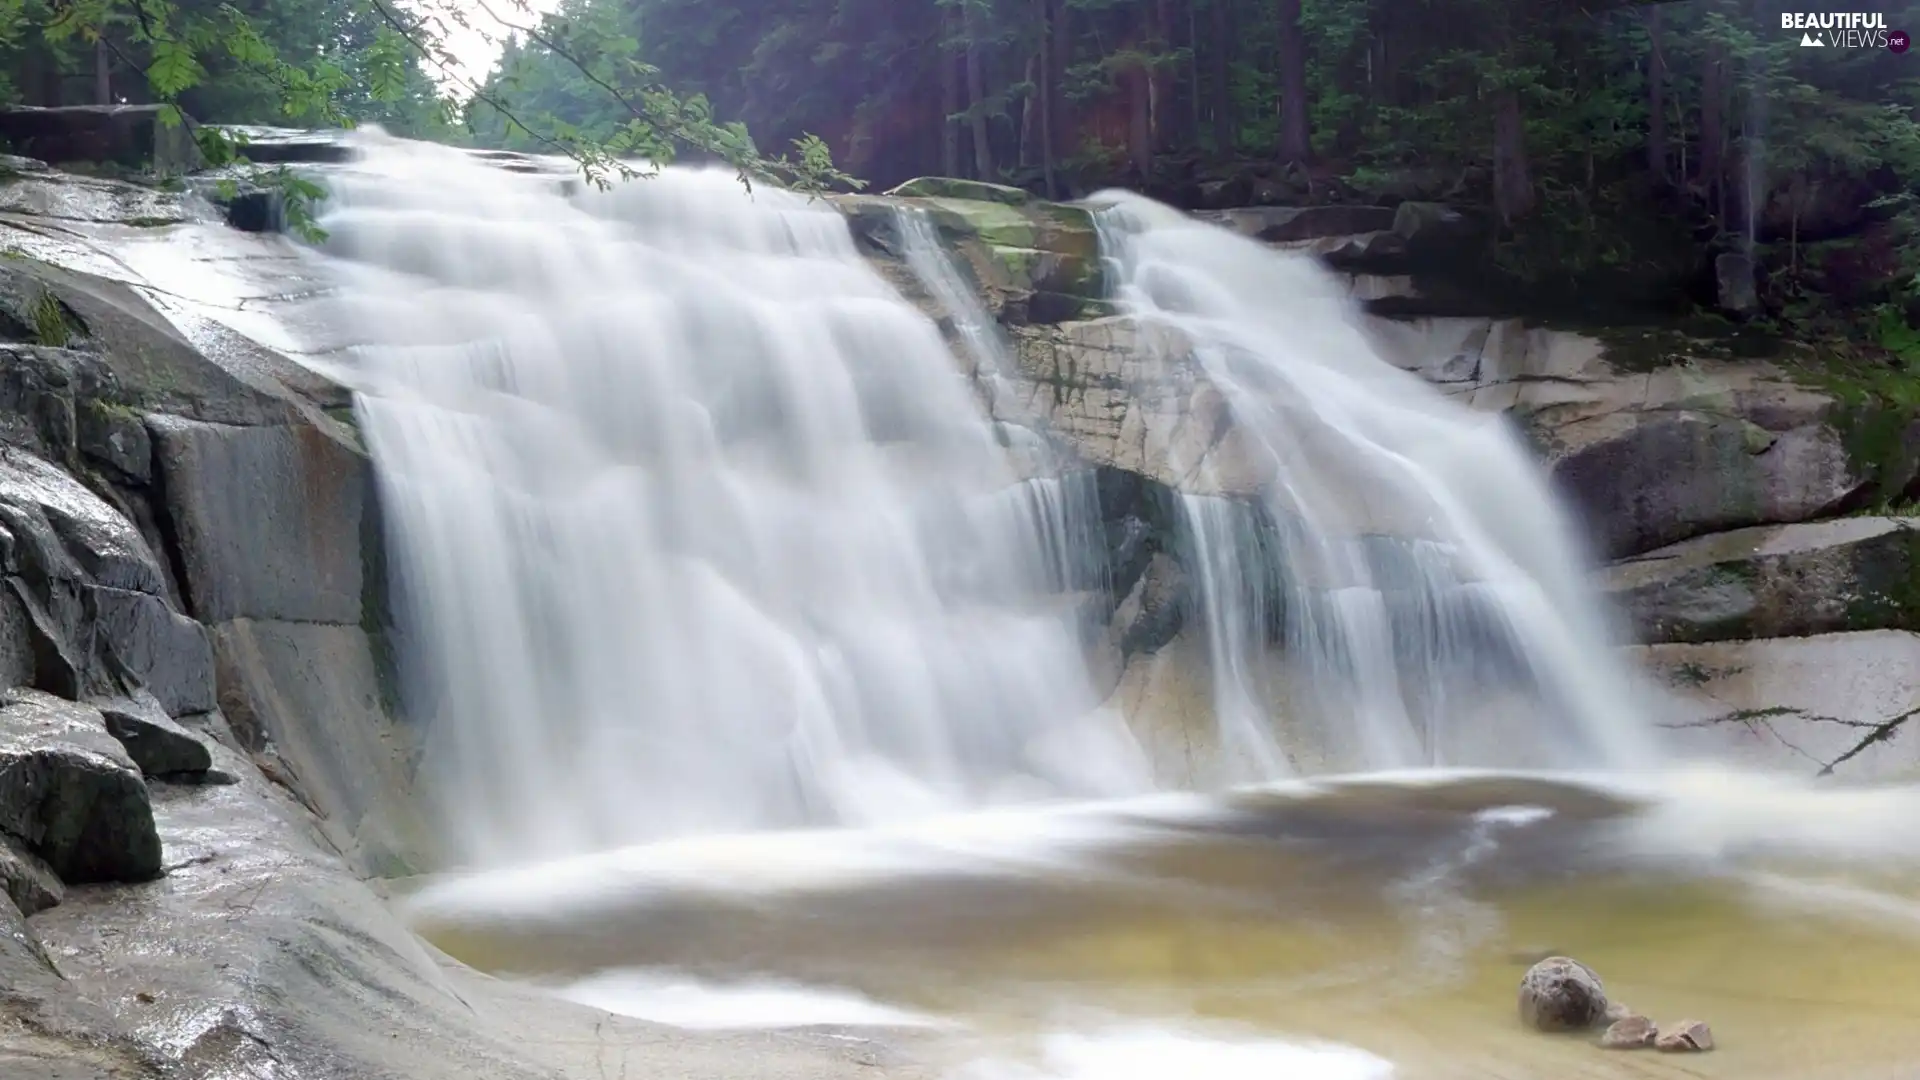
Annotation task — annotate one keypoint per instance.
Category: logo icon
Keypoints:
(1809, 41)
(1898, 41)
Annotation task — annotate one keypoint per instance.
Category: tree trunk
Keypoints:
(1712, 120)
(1295, 137)
(1222, 65)
(949, 102)
(1066, 124)
(977, 95)
(1030, 114)
(102, 72)
(1160, 76)
(1140, 120)
(1045, 95)
(1513, 195)
(1656, 98)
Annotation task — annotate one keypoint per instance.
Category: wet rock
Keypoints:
(155, 742)
(1152, 613)
(1629, 1033)
(1561, 994)
(132, 136)
(70, 793)
(268, 519)
(1683, 1037)
(26, 879)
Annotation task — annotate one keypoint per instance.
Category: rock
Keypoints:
(116, 436)
(1282, 224)
(26, 879)
(1561, 994)
(1130, 396)
(1671, 476)
(158, 745)
(314, 695)
(1153, 611)
(269, 519)
(1435, 233)
(163, 651)
(1734, 278)
(1777, 581)
(1629, 1033)
(1685, 1036)
(290, 146)
(71, 794)
(1836, 702)
(1618, 1010)
(132, 136)
(940, 187)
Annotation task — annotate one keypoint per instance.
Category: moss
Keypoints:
(992, 223)
(1656, 346)
(1886, 583)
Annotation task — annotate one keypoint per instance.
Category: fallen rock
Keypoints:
(27, 879)
(1629, 1033)
(155, 742)
(1561, 994)
(944, 187)
(1684, 1037)
(70, 793)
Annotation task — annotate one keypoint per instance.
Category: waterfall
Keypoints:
(699, 524)
(1402, 590)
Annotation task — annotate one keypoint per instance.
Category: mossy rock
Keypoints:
(992, 223)
(946, 187)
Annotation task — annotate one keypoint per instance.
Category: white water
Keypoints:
(697, 525)
(1406, 552)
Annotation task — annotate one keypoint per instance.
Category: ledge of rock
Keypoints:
(1858, 573)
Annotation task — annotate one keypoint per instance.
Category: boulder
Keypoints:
(1286, 224)
(93, 595)
(70, 793)
(1154, 610)
(26, 879)
(1737, 291)
(942, 187)
(155, 742)
(1683, 1037)
(131, 136)
(1629, 1033)
(1667, 477)
(1561, 994)
(269, 519)
(1800, 580)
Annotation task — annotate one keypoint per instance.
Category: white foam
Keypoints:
(687, 1002)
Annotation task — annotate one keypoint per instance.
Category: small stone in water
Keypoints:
(1687, 1036)
(1561, 994)
(1629, 1033)
(1618, 1011)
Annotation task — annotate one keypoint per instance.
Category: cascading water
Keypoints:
(1424, 598)
(698, 525)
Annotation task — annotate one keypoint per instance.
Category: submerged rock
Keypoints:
(1684, 1037)
(1561, 994)
(1629, 1033)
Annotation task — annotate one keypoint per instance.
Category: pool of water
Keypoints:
(1365, 927)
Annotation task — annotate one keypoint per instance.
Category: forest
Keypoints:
(1606, 142)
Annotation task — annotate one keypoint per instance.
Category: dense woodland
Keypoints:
(1605, 141)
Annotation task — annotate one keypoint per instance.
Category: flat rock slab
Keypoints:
(1834, 703)
(1858, 573)
(70, 793)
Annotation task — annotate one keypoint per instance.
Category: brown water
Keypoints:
(1396, 919)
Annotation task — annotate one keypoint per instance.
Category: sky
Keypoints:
(472, 48)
